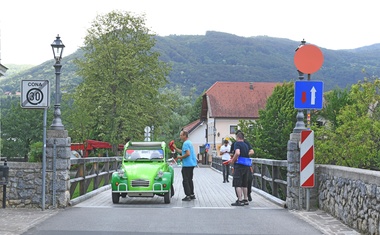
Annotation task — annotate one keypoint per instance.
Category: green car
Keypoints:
(144, 172)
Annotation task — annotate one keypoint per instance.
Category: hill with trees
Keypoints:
(199, 61)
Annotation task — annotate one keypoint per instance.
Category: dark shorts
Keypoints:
(240, 178)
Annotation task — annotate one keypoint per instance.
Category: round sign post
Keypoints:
(308, 59)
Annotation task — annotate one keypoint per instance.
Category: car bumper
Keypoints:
(140, 192)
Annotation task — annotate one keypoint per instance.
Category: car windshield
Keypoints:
(144, 154)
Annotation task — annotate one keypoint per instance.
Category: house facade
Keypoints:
(223, 105)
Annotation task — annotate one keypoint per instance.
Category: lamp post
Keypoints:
(214, 138)
(300, 125)
(57, 47)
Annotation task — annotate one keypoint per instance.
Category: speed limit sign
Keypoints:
(35, 94)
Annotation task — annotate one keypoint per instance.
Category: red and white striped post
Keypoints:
(307, 178)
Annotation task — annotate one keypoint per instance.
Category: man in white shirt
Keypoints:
(225, 154)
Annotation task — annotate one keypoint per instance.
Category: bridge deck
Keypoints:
(209, 189)
(213, 198)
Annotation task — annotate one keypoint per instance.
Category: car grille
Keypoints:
(140, 183)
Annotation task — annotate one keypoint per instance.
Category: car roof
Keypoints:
(145, 145)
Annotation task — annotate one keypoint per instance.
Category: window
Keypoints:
(233, 129)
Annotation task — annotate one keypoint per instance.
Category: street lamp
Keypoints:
(300, 125)
(57, 47)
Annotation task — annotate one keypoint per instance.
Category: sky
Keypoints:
(27, 28)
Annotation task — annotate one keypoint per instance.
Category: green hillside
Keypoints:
(202, 60)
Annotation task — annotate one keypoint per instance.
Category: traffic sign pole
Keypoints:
(35, 95)
(307, 175)
(308, 95)
(147, 133)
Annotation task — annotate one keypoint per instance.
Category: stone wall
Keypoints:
(351, 195)
(24, 188)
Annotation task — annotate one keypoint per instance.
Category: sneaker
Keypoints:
(237, 203)
(249, 197)
(245, 202)
(187, 198)
(192, 197)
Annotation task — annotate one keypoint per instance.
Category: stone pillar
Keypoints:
(293, 175)
(57, 168)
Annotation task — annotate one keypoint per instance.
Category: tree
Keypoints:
(19, 128)
(335, 100)
(196, 109)
(181, 112)
(355, 142)
(270, 134)
(122, 76)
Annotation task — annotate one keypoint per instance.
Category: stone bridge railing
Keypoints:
(351, 195)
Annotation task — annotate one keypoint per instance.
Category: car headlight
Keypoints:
(160, 174)
(121, 173)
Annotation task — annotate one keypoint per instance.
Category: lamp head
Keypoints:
(57, 47)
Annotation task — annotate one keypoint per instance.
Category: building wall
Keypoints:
(198, 137)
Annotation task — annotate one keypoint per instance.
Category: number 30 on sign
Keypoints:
(35, 94)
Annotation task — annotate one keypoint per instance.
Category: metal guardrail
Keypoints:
(269, 175)
(92, 171)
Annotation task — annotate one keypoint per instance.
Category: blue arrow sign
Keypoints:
(308, 94)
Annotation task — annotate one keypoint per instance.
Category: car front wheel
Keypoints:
(167, 196)
(115, 197)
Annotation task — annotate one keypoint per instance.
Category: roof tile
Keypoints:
(238, 99)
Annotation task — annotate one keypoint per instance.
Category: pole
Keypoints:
(300, 125)
(4, 188)
(54, 171)
(307, 199)
(44, 162)
(4, 195)
(57, 122)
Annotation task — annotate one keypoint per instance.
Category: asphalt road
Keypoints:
(138, 221)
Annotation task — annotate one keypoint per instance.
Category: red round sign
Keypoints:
(308, 59)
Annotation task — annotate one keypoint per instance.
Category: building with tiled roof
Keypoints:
(223, 105)
(3, 69)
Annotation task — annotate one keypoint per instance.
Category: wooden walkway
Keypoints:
(209, 189)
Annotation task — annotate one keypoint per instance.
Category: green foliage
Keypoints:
(269, 135)
(354, 142)
(122, 76)
(335, 101)
(19, 128)
(181, 112)
(36, 150)
(194, 113)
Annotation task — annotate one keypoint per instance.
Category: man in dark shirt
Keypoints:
(250, 175)
(240, 160)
